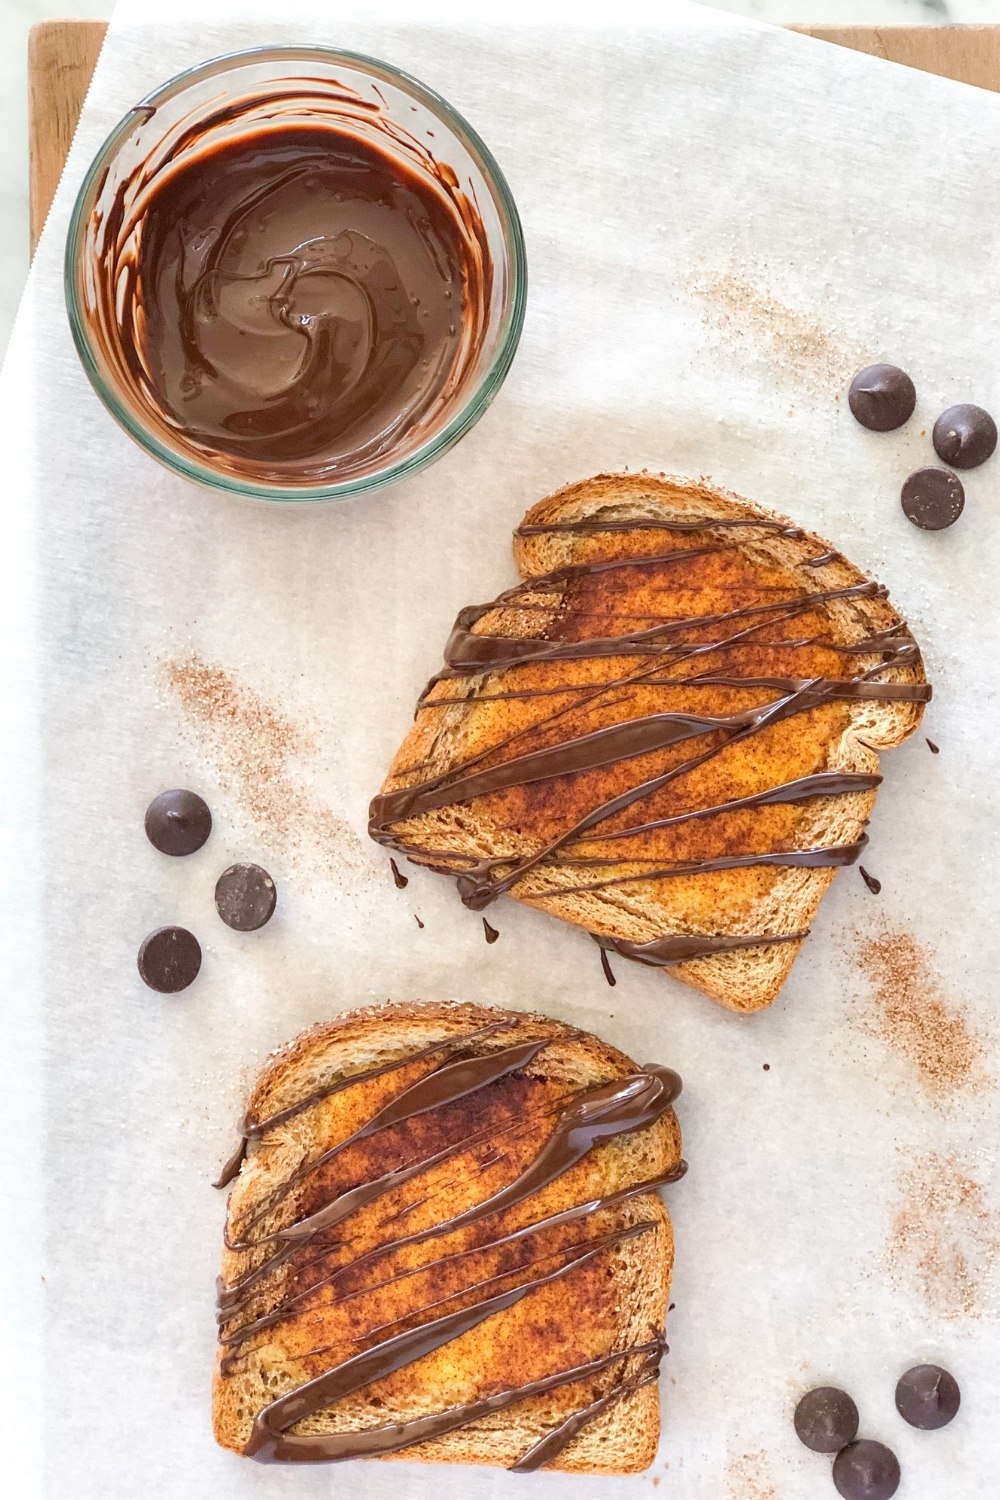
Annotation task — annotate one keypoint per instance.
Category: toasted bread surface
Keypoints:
(647, 599)
(347, 1290)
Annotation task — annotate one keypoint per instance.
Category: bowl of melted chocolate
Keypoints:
(295, 273)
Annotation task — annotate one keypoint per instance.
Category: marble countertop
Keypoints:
(17, 16)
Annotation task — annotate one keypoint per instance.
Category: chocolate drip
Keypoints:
(870, 881)
(473, 658)
(590, 527)
(934, 749)
(468, 652)
(399, 880)
(823, 784)
(682, 947)
(608, 971)
(548, 1448)
(490, 931)
(253, 1129)
(445, 1085)
(610, 1109)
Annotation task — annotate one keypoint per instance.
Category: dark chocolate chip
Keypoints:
(933, 499)
(245, 897)
(169, 959)
(866, 1471)
(826, 1419)
(965, 436)
(928, 1397)
(882, 397)
(178, 822)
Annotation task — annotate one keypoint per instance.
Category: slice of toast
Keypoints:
(668, 734)
(499, 1297)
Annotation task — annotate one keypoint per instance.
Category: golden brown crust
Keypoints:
(841, 736)
(609, 1303)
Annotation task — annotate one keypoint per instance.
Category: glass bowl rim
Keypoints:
(508, 335)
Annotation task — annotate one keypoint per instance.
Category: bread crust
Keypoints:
(623, 1439)
(848, 738)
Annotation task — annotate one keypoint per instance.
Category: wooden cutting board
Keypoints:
(62, 56)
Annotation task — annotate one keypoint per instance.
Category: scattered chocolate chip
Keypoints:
(245, 897)
(928, 1397)
(826, 1419)
(767, 1067)
(866, 1471)
(882, 397)
(491, 932)
(964, 436)
(178, 822)
(933, 499)
(169, 959)
(606, 966)
(870, 881)
(399, 880)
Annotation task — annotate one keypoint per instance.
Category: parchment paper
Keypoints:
(722, 221)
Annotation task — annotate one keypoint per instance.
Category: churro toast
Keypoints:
(668, 733)
(445, 1242)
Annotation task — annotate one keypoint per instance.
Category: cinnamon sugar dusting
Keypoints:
(259, 753)
(945, 1239)
(750, 317)
(749, 1479)
(913, 1015)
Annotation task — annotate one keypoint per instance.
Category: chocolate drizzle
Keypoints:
(481, 667)
(580, 1120)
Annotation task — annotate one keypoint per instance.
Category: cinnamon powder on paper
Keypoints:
(795, 341)
(913, 1015)
(944, 1239)
(258, 752)
(749, 1479)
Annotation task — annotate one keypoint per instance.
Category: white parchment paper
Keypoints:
(722, 220)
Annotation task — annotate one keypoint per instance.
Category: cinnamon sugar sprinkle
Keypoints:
(945, 1240)
(258, 753)
(756, 322)
(912, 1014)
(749, 1479)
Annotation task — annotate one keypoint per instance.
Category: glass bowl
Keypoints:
(215, 101)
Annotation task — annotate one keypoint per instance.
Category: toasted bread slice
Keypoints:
(586, 1291)
(668, 734)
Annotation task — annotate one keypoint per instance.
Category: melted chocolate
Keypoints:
(294, 286)
(582, 1120)
(870, 881)
(608, 971)
(490, 932)
(471, 658)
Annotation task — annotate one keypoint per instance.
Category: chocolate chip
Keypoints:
(933, 499)
(178, 822)
(964, 436)
(826, 1419)
(169, 959)
(245, 897)
(882, 397)
(866, 1471)
(927, 1397)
